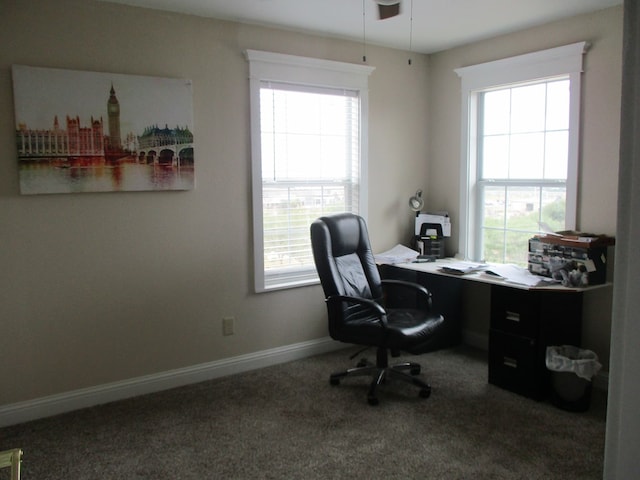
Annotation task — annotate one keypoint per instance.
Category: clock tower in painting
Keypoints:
(113, 109)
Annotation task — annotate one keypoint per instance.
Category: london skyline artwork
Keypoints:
(79, 131)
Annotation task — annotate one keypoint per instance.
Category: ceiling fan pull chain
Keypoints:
(364, 35)
(410, 31)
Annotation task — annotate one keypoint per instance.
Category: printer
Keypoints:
(430, 232)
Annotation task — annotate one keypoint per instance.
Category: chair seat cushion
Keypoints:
(410, 330)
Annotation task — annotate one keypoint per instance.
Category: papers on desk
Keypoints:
(398, 254)
(508, 273)
(514, 274)
(463, 268)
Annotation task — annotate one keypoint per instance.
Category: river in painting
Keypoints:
(100, 175)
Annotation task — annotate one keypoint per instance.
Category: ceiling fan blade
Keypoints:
(388, 8)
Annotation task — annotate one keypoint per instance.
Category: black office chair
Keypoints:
(360, 307)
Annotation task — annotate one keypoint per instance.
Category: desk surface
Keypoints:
(435, 268)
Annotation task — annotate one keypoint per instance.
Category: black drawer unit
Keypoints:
(523, 323)
(513, 362)
(515, 311)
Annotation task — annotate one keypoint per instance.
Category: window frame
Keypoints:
(566, 61)
(303, 72)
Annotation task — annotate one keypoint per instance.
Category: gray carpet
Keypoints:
(287, 422)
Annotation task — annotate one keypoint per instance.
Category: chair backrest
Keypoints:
(343, 257)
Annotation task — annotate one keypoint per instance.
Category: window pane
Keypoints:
(512, 214)
(526, 156)
(523, 208)
(554, 207)
(493, 245)
(493, 213)
(495, 156)
(268, 157)
(494, 206)
(528, 108)
(514, 251)
(558, 105)
(497, 107)
(504, 246)
(556, 155)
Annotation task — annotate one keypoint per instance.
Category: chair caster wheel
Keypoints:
(425, 392)
(373, 401)
(415, 371)
(334, 381)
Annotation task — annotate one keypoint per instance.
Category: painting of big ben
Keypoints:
(80, 131)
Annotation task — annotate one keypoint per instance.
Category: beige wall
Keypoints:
(598, 176)
(96, 288)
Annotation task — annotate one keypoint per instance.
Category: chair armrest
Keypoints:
(371, 305)
(421, 290)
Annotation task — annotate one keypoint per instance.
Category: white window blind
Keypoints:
(309, 158)
(310, 167)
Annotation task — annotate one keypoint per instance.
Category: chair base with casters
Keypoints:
(11, 459)
(382, 371)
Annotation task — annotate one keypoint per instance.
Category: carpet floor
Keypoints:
(287, 422)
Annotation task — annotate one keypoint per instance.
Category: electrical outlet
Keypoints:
(227, 325)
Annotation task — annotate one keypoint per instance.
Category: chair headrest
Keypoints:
(346, 230)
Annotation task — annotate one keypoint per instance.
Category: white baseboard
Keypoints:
(20, 412)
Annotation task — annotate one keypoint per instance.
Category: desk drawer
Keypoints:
(515, 311)
(514, 365)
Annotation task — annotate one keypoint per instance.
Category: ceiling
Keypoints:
(424, 26)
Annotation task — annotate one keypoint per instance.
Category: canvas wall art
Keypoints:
(80, 131)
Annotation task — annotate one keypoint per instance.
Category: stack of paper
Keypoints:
(398, 254)
(514, 274)
(462, 268)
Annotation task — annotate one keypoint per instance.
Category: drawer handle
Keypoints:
(513, 316)
(510, 362)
